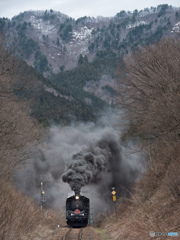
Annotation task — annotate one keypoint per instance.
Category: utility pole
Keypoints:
(114, 200)
(91, 211)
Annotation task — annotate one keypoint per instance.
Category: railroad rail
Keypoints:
(73, 234)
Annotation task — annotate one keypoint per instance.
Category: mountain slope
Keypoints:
(79, 58)
(52, 41)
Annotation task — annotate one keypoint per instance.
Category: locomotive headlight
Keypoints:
(76, 197)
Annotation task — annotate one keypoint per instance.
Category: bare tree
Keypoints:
(149, 90)
(17, 129)
(149, 93)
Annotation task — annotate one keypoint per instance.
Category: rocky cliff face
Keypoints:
(45, 33)
(60, 38)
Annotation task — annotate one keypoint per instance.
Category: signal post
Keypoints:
(43, 198)
(114, 200)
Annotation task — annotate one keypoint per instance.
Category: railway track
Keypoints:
(73, 234)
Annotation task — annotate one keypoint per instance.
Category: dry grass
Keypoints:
(154, 204)
(20, 217)
(173, 180)
(18, 214)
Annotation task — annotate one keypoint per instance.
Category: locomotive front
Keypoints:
(77, 211)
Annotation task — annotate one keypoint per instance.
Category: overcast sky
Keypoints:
(79, 8)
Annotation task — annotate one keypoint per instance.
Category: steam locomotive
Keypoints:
(77, 211)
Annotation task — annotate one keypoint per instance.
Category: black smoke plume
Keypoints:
(98, 156)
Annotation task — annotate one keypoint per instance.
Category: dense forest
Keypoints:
(62, 98)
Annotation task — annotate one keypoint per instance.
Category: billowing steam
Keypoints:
(88, 157)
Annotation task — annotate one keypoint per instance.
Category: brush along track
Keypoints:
(73, 234)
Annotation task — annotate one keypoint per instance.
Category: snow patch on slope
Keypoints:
(44, 26)
(84, 33)
(136, 24)
(176, 28)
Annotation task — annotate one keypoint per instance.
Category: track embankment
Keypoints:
(63, 233)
